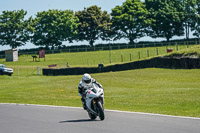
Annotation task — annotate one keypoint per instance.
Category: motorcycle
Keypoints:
(94, 102)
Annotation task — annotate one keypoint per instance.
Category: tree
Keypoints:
(189, 15)
(94, 24)
(196, 27)
(130, 20)
(106, 31)
(169, 15)
(13, 28)
(52, 27)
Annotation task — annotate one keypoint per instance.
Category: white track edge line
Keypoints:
(117, 111)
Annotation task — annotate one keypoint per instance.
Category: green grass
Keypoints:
(26, 66)
(164, 91)
(189, 52)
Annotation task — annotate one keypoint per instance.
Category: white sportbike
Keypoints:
(94, 102)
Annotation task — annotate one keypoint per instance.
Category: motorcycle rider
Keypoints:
(86, 83)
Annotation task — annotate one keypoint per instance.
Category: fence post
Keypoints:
(138, 55)
(157, 50)
(109, 55)
(38, 70)
(166, 48)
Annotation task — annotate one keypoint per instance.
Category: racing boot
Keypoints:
(84, 103)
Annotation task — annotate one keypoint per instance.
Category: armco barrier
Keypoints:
(158, 62)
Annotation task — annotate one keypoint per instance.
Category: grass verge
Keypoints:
(26, 65)
(193, 52)
(163, 91)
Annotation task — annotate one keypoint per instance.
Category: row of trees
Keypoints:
(132, 20)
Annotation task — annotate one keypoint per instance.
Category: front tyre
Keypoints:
(92, 116)
(100, 110)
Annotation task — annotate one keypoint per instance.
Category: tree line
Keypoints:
(131, 20)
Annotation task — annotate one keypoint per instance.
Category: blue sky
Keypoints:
(34, 6)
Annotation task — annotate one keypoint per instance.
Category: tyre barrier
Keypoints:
(158, 62)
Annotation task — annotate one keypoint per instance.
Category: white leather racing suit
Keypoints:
(84, 86)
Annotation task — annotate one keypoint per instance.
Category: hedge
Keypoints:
(158, 62)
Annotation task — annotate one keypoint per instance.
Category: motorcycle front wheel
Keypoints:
(92, 116)
(100, 111)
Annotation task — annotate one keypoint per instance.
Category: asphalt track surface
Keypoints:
(46, 119)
